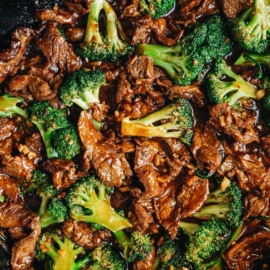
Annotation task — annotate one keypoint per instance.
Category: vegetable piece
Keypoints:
(47, 120)
(156, 8)
(186, 60)
(251, 28)
(265, 102)
(136, 246)
(89, 201)
(247, 57)
(229, 90)
(176, 122)
(113, 46)
(8, 106)
(82, 88)
(66, 142)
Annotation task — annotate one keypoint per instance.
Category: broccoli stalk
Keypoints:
(8, 106)
(82, 88)
(47, 120)
(105, 257)
(110, 48)
(62, 252)
(136, 246)
(223, 203)
(251, 28)
(265, 102)
(230, 91)
(56, 212)
(205, 241)
(89, 201)
(156, 8)
(247, 57)
(177, 122)
(186, 60)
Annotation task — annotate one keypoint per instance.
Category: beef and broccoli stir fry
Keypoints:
(136, 135)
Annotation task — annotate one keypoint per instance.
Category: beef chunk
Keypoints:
(105, 155)
(243, 254)
(81, 234)
(23, 251)
(265, 143)
(11, 58)
(148, 263)
(206, 149)
(232, 7)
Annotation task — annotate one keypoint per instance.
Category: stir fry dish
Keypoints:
(135, 135)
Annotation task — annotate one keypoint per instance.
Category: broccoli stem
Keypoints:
(253, 57)
(122, 239)
(215, 210)
(48, 219)
(188, 227)
(43, 206)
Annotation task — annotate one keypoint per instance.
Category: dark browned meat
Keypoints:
(81, 234)
(257, 204)
(6, 147)
(265, 142)
(206, 149)
(240, 125)
(72, 11)
(75, 34)
(148, 263)
(15, 215)
(193, 195)
(63, 172)
(59, 53)
(232, 7)
(12, 57)
(105, 155)
(243, 254)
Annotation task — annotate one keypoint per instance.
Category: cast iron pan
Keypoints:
(14, 13)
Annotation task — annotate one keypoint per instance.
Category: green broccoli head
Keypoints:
(136, 246)
(250, 29)
(111, 47)
(224, 203)
(229, 90)
(66, 142)
(173, 121)
(156, 8)
(8, 106)
(56, 212)
(105, 257)
(82, 88)
(58, 252)
(47, 120)
(186, 60)
(205, 242)
(89, 201)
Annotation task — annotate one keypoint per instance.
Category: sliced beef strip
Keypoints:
(265, 143)
(63, 172)
(23, 251)
(81, 234)
(69, 14)
(206, 149)
(11, 57)
(245, 252)
(257, 204)
(193, 195)
(105, 155)
(240, 125)
(57, 50)
(6, 147)
(231, 8)
(148, 263)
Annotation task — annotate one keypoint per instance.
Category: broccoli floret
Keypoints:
(224, 203)
(89, 201)
(176, 122)
(169, 255)
(136, 246)
(205, 241)
(156, 8)
(229, 90)
(247, 57)
(186, 60)
(66, 142)
(47, 120)
(265, 101)
(8, 106)
(251, 28)
(82, 88)
(56, 212)
(59, 253)
(105, 257)
(113, 46)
